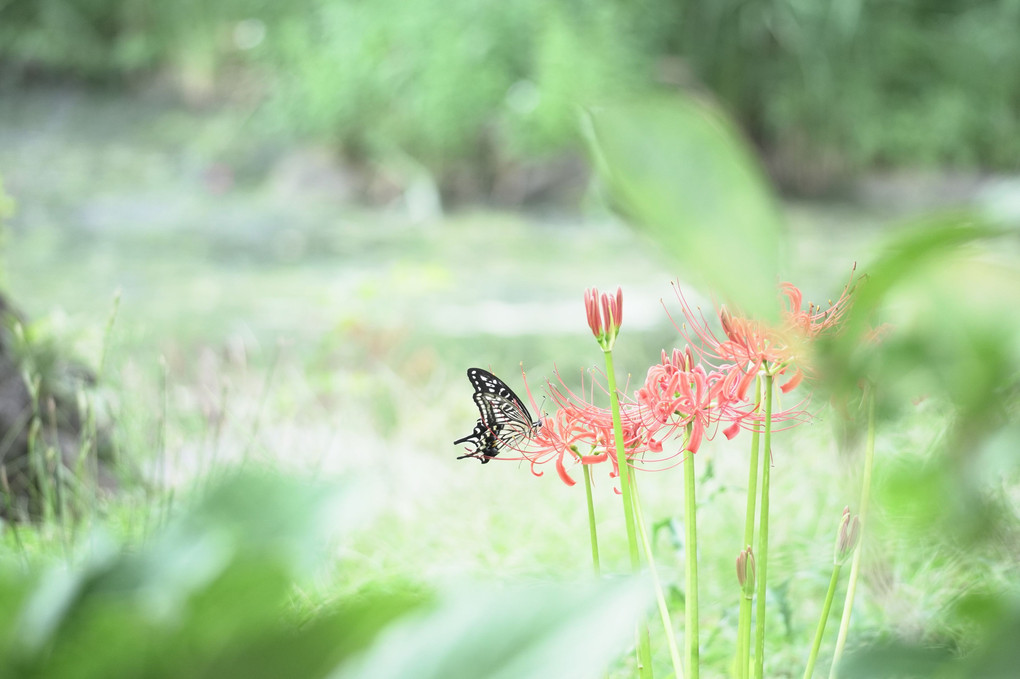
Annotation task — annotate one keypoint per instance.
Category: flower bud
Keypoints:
(745, 571)
(847, 537)
(605, 314)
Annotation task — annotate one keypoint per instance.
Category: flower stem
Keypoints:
(833, 581)
(626, 488)
(691, 550)
(763, 533)
(855, 566)
(592, 532)
(621, 457)
(744, 635)
(660, 598)
(744, 638)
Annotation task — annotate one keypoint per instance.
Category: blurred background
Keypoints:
(259, 233)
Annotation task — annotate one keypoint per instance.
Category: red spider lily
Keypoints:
(605, 315)
(813, 321)
(561, 435)
(582, 432)
(684, 393)
(749, 345)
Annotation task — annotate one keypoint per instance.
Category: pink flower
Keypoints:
(676, 390)
(562, 435)
(580, 432)
(605, 315)
(747, 346)
(750, 345)
(813, 321)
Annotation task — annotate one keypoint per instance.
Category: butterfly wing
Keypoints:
(484, 439)
(504, 420)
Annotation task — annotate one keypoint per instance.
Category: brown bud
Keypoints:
(745, 571)
(847, 538)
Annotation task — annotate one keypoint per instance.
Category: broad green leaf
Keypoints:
(938, 295)
(897, 660)
(678, 169)
(535, 632)
(913, 249)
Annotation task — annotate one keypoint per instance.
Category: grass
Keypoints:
(346, 356)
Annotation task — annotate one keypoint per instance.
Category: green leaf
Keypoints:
(535, 632)
(940, 295)
(897, 660)
(678, 169)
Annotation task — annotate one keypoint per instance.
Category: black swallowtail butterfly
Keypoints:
(503, 420)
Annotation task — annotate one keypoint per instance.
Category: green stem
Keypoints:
(621, 457)
(644, 644)
(833, 581)
(660, 597)
(762, 555)
(592, 532)
(744, 635)
(855, 566)
(744, 640)
(691, 550)
(752, 472)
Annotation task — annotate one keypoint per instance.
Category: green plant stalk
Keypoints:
(626, 490)
(161, 449)
(60, 486)
(691, 654)
(88, 450)
(855, 565)
(92, 428)
(208, 465)
(621, 457)
(592, 531)
(833, 581)
(762, 556)
(744, 635)
(37, 455)
(744, 626)
(660, 597)
(106, 334)
(263, 397)
(5, 488)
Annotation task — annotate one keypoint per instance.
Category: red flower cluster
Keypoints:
(693, 390)
(579, 432)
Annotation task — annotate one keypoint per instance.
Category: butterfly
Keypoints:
(503, 420)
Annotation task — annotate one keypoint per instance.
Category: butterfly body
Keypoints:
(503, 419)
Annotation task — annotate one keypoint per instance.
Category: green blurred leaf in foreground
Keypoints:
(678, 169)
(213, 594)
(934, 318)
(535, 631)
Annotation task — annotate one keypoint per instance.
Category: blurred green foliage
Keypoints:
(448, 86)
(460, 86)
(876, 82)
(217, 592)
(677, 168)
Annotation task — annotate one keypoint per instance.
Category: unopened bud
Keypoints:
(745, 571)
(605, 314)
(847, 538)
(727, 323)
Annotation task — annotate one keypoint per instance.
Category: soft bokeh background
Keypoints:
(315, 215)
